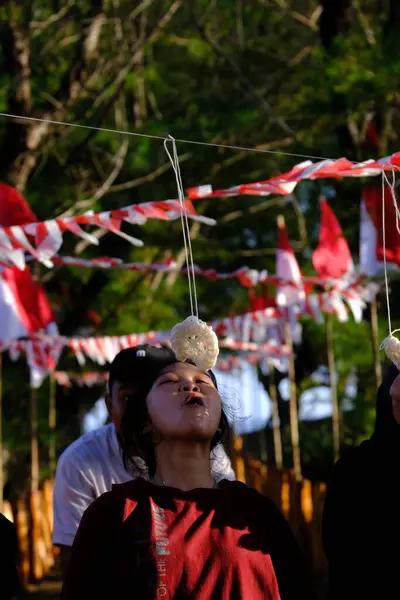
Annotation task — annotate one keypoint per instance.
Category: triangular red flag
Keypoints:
(287, 268)
(372, 197)
(286, 263)
(332, 258)
(24, 308)
(14, 209)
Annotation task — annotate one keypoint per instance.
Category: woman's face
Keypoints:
(184, 404)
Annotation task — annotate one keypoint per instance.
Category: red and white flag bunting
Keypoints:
(259, 333)
(42, 356)
(90, 378)
(106, 262)
(285, 184)
(247, 277)
(229, 363)
(43, 239)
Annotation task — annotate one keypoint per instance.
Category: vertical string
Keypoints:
(391, 184)
(384, 252)
(184, 208)
(174, 159)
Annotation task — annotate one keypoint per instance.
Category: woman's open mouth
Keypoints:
(193, 400)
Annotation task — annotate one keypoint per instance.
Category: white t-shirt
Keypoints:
(88, 468)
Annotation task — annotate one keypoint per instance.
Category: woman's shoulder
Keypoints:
(246, 496)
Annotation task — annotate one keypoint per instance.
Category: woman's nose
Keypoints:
(189, 386)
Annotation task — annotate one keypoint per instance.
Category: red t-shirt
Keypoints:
(141, 541)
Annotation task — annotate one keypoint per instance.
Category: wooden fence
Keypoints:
(33, 520)
(300, 501)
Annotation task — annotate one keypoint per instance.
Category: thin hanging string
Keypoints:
(159, 137)
(185, 225)
(391, 185)
(186, 220)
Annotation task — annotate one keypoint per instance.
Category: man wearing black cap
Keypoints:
(92, 464)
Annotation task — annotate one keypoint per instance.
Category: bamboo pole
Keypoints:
(36, 570)
(52, 425)
(333, 385)
(1, 437)
(34, 419)
(35, 540)
(375, 341)
(34, 442)
(293, 413)
(276, 429)
(262, 435)
(22, 527)
(238, 460)
(294, 417)
(263, 447)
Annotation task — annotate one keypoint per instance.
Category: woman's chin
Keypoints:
(195, 432)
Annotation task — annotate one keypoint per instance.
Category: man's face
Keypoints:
(116, 401)
(395, 395)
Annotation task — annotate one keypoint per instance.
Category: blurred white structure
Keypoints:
(250, 404)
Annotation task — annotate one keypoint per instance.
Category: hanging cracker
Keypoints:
(195, 341)
(192, 340)
(391, 345)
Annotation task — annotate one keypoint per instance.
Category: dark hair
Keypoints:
(136, 438)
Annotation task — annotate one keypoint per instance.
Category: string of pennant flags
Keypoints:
(89, 378)
(44, 239)
(257, 334)
(99, 378)
(285, 184)
(246, 276)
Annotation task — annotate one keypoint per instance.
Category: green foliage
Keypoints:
(244, 74)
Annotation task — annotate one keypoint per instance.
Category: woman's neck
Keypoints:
(183, 466)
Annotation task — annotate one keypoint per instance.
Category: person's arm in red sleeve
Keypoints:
(294, 581)
(89, 569)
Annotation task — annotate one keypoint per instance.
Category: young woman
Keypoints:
(179, 534)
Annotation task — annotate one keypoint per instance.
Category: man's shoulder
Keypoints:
(7, 528)
(357, 459)
(88, 445)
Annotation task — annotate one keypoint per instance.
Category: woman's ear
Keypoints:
(108, 402)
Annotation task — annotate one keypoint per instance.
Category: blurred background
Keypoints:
(285, 77)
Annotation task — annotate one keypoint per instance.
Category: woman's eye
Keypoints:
(168, 381)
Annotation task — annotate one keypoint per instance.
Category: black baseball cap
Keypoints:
(140, 365)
